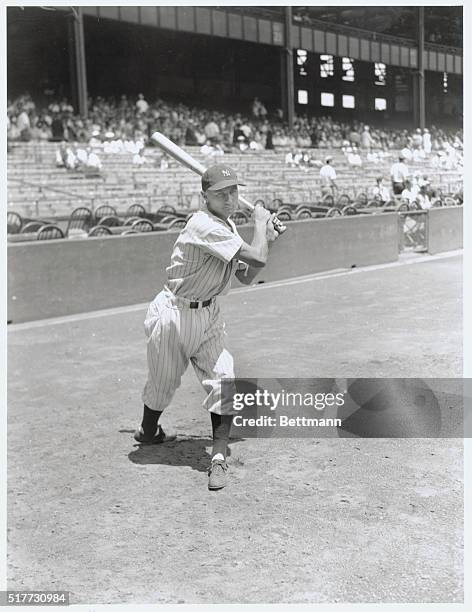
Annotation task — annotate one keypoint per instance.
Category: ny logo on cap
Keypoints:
(226, 173)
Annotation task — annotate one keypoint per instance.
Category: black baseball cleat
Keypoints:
(159, 438)
(217, 474)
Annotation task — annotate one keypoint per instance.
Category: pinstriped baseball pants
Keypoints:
(177, 335)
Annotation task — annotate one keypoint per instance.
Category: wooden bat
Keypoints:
(192, 164)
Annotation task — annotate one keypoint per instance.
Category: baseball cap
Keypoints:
(219, 176)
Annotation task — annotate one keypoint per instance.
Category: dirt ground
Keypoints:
(301, 521)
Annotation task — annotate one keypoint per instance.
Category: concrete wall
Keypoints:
(445, 229)
(56, 278)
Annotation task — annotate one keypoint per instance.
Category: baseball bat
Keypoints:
(192, 164)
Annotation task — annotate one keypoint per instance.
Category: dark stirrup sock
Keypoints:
(221, 425)
(150, 421)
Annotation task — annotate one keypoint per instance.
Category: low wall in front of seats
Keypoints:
(62, 277)
(445, 229)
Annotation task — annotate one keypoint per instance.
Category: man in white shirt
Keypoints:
(399, 173)
(423, 198)
(141, 104)
(328, 178)
(381, 192)
(410, 192)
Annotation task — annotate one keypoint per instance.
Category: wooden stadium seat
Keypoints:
(80, 218)
(32, 226)
(333, 212)
(349, 211)
(328, 200)
(104, 211)
(177, 222)
(361, 199)
(303, 212)
(136, 210)
(167, 208)
(50, 232)
(284, 214)
(167, 219)
(131, 220)
(142, 225)
(111, 221)
(343, 200)
(14, 223)
(100, 230)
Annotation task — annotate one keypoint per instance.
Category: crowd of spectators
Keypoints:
(125, 126)
(136, 118)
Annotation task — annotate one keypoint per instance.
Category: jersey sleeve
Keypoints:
(214, 238)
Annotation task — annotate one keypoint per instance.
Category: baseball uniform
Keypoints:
(183, 322)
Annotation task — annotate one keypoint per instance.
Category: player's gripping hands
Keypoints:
(264, 218)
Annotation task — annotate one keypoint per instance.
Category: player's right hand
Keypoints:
(261, 214)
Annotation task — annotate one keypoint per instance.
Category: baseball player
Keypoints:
(183, 322)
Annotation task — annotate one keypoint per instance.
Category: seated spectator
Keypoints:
(210, 151)
(423, 198)
(381, 191)
(407, 153)
(212, 131)
(410, 192)
(71, 161)
(293, 158)
(353, 157)
(93, 161)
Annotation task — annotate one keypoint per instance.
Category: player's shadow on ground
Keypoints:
(186, 451)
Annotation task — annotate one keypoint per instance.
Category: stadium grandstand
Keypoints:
(277, 91)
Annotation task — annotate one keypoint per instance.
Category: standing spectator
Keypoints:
(24, 125)
(366, 139)
(328, 178)
(269, 143)
(417, 139)
(141, 105)
(399, 173)
(57, 127)
(427, 142)
(354, 137)
(256, 108)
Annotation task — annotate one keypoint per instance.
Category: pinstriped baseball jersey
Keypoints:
(201, 263)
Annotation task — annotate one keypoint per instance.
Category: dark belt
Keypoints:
(200, 304)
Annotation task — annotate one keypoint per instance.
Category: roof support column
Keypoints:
(287, 71)
(419, 87)
(80, 66)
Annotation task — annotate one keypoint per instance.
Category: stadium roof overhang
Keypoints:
(263, 28)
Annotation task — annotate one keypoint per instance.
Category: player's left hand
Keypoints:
(271, 234)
